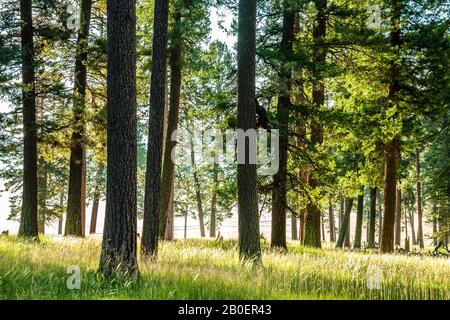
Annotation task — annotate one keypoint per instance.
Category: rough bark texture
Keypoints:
(248, 220)
(76, 197)
(312, 226)
(398, 218)
(419, 202)
(344, 223)
(372, 218)
(331, 224)
(279, 191)
(391, 148)
(150, 231)
(119, 235)
(359, 222)
(28, 220)
(175, 56)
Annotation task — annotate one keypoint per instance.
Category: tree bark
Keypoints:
(279, 191)
(212, 222)
(345, 222)
(398, 218)
(419, 201)
(198, 194)
(391, 148)
(96, 200)
(380, 216)
(60, 219)
(42, 195)
(28, 221)
(372, 217)
(76, 196)
(175, 61)
(413, 229)
(249, 236)
(331, 223)
(313, 212)
(359, 222)
(118, 253)
(294, 230)
(151, 225)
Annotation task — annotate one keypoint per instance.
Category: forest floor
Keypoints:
(208, 269)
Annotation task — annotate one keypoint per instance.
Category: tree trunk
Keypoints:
(313, 212)
(279, 191)
(198, 194)
(151, 223)
(323, 227)
(60, 219)
(28, 221)
(294, 232)
(435, 222)
(413, 230)
(185, 223)
(118, 253)
(398, 218)
(332, 224)
(212, 222)
(380, 215)
(42, 195)
(391, 148)
(76, 197)
(169, 233)
(359, 222)
(249, 245)
(345, 225)
(94, 212)
(419, 201)
(347, 240)
(372, 217)
(175, 61)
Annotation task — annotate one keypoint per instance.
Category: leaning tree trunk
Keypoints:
(28, 220)
(359, 222)
(249, 245)
(151, 223)
(398, 218)
(419, 201)
(391, 148)
(76, 196)
(175, 56)
(279, 191)
(344, 222)
(313, 212)
(332, 224)
(118, 253)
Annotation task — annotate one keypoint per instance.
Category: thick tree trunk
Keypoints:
(28, 220)
(419, 202)
(372, 218)
(212, 222)
(345, 222)
(359, 222)
(398, 218)
(76, 196)
(249, 245)
(312, 226)
(118, 253)
(151, 223)
(198, 194)
(392, 147)
(332, 224)
(279, 191)
(175, 61)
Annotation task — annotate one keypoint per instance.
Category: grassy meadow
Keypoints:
(206, 269)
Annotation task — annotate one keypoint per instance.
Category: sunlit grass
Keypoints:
(201, 269)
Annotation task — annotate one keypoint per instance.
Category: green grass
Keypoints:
(201, 269)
